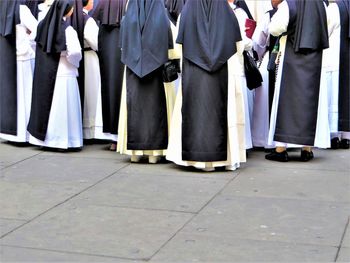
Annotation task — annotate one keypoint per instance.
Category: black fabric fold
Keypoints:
(209, 35)
(174, 8)
(144, 36)
(344, 76)
(9, 18)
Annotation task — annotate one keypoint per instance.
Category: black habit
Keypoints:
(208, 33)
(299, 91)
(146, 38)
(9, 18)
(108, 14)
(174, 8)
(344, 72)
(51, 41)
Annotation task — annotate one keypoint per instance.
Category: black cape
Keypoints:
(344, 75)
(9, 18)
(208, 32)
(146, 38)
(51, 41)
(300, 84)
(108, 14)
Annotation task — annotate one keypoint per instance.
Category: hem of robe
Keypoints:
(204, 156)
(122, 125)
(236, 133)
(95, 132)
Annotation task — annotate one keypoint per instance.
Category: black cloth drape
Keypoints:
(51, 40)
(344, 75)
(242, 4)
(9, 18)
(146, 37)
(108, 14)
(33, 6)
(174, 8)
(208, 33)
(300, 84)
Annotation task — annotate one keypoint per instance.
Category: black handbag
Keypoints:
(252, 73)
(171, 70)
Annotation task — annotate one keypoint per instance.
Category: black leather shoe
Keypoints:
(306, 156)
(344, 144)
(278, 157)
(335, 143)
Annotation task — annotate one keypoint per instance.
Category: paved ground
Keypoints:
(94, 206)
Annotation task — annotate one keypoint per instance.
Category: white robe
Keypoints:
(65, 120)
(92, 120)
(25, 56)
(279, 24)
(236, 153)
(261, 115)
(238, 64)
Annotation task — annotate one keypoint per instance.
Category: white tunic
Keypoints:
(92, 120)
(65, 120)
(279, 25)
(261, 116)
(238, 64)
(25, 55)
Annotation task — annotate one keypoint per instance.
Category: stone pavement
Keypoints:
(94, 206)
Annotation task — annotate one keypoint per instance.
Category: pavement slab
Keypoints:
(201, 247)
(291, 183)
(6, 225)
(25, 201)
(109, 231)
(18, 254)
(344, 255)
(174, 193)
(346, 240)
(271, 219)
(60, 170)
(10, 154)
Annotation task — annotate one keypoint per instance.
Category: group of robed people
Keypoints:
(168, 78)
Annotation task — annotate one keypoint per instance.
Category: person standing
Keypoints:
(16, 34)
(303, 25)
(108, 14)
(263, 44)
(337, 73)
(55, 119)
(145, 41)
(207, 129)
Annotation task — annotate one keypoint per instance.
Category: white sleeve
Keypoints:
(333, 18)
(242, 17)
(261, 35)
(28, 20)
(73, 47)
(280, 21)
(91, 33)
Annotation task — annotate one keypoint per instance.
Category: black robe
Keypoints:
(51, 40)
(109, 14)
(9, 17)
(208, 32)
(344, 72)
(146, 38)
(301, 76)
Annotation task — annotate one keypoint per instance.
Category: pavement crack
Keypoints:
(342, 240)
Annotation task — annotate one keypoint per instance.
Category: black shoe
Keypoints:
(335, 143)
(306, 156)
(344, 144)
(278, 157)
